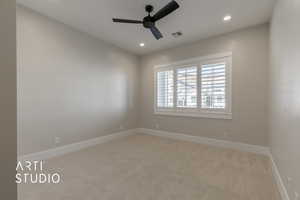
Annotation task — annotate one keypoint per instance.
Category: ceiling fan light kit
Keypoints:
(149, 21)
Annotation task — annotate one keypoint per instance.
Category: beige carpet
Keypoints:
(143, 167)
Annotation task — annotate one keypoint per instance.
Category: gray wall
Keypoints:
(8, 100)
(70, 85)
(250, 48)
(285, 92)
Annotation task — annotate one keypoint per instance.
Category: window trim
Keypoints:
(197, 112)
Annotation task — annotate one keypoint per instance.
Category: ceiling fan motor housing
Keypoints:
(148, 22)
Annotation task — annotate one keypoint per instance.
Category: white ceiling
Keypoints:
(196, 19)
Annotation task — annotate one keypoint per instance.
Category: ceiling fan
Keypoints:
(149, 21)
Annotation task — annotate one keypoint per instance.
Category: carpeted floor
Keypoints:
(143, 167)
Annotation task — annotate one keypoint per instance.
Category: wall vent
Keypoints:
(177, 34)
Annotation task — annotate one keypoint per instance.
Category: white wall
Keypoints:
(76, 87)
(250, 49)
(285, 92)
(70, 85)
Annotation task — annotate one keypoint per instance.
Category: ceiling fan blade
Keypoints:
(157, 34)
(127, 21)
(170, 7)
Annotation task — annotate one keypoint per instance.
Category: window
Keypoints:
(186, 83)
(213, 86)
(165, 89)
(199, 87)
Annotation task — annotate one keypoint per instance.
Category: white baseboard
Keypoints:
(209, 141)
(281, 187)
(227, 144)
(59, 151)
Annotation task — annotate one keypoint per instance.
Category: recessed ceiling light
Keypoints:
(227, 18)
(142, 44)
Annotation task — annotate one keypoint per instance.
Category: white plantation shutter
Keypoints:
(165, 89)
(186, 85)
(213, 86)
(199, 87)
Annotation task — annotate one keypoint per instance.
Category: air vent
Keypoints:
(177, 34)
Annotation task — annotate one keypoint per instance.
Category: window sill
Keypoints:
(209, 115)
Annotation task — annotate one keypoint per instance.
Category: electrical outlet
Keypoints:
(57, 140)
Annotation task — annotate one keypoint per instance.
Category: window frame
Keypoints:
(198, 111)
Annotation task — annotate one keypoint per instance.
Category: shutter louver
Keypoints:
(187, 87)
(213, 86)
(165, 89)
